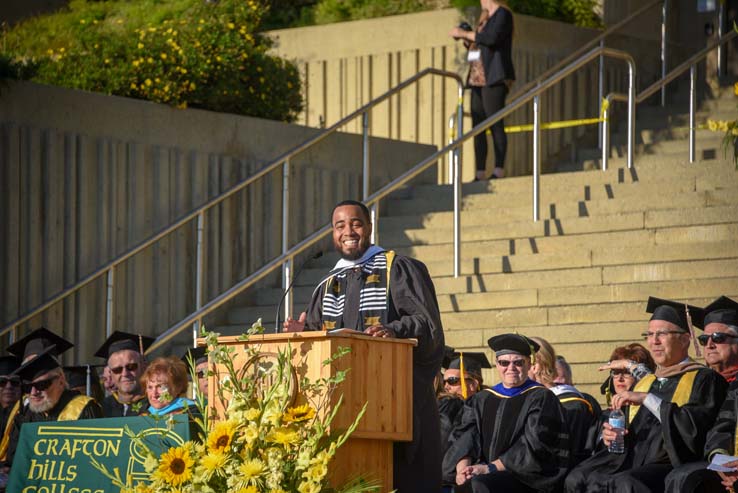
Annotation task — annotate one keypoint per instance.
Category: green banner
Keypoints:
(54, 457)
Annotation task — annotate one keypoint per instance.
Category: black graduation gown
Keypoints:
(413, 313)
(720, 439)
(113, 408)
(90, 411)
(653, 447)
(450, 409)
(526, 432)
(581, 423)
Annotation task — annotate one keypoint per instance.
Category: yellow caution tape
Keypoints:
(554, 125)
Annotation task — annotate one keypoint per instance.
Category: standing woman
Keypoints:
(491, 74)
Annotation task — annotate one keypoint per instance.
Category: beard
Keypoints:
(41, 407)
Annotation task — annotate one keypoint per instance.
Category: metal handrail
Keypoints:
(199, 213)
(689, 64)
(596, 41)
(196, 317)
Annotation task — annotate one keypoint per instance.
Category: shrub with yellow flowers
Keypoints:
(275, 437)
(730, 130)
(186, 53)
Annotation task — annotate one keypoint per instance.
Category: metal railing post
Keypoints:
(287, 271)
(692, 108)
(601, 85)
(536, 157)
(457, 153)
(664, 14)
(631, 111)
(199, 274)
(287, 266)
(451, 138)
(110, 282)
(457, 213)
(365, 168)
(721, 30)
(374, 212)
(605, 135)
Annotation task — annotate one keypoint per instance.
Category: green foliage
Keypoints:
(327, 11)
(578, 12)
(178, 52)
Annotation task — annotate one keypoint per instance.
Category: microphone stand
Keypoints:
(294, 278)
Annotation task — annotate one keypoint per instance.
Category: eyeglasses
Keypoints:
(40, 386)
(617, 373)
(12, 381)
(505, 363)
(131, 367)
(452, 380)
(660, 334)
(717, 338)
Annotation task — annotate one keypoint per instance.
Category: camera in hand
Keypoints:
(465, 26)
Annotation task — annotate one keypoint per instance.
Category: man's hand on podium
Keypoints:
(379, 331)
(292, 325)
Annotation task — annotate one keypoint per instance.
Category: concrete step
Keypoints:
(586, 295)
(496, 322)
(670, 271)
(645, 254)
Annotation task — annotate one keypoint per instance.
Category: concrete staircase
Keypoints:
(580, 277)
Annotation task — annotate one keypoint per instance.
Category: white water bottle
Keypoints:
(617, 421)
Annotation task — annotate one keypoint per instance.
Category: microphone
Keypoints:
(294, 278)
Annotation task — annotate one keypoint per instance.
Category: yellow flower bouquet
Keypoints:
(730, 130)
(275, 437)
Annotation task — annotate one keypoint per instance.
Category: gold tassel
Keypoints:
(697, 350)
(140, 344)
(532, 354)
(464, 392)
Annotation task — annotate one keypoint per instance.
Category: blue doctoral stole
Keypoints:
(501, 391)
(175, 405)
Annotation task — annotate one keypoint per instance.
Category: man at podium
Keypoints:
(382, 294)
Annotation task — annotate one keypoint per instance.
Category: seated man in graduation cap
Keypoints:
(462, 378)
(124, 353)
(49, 399)
(512, 436)
(10, 389)
(720, 340)
(721, 349)
(84, 380)
(668, 413)
(25, 349)
(198, 357)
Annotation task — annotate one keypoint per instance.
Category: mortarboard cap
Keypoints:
(448, 355)
(473, 361)
(8, 364)
(673, 311)
(197, 355)
(77, 375)
(42, 363)
(122, 341)
(722, 311)
(37, 341)
(513, 344)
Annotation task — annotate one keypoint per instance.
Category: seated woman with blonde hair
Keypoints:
(581, 417)
(165, 382)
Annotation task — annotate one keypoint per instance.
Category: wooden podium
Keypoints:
(380, 375)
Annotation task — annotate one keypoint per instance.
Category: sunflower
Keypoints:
(284, 436)
(299, 413)
(250, 471)
(175, 466)
(214, 463)
(222, 436)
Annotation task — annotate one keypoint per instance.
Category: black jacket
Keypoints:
(495, 45)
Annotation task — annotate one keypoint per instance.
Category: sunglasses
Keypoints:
(131, 367)
(505, 363)
(13, 381)
(717, 338)
(40, 386)
(452, 380)
(617, 373)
